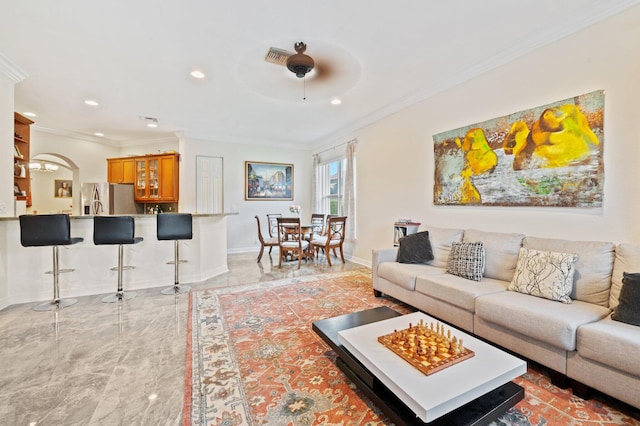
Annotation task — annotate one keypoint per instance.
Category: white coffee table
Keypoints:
(433, 396)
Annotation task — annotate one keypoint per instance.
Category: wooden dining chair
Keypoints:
(272, 219)
(291, 240)
(270, 242)
(317, 223)
(334, 238)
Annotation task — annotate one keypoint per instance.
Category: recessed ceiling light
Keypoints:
(91, 102)
(152, 125)
(29, 114)
(197, 74)
(336, 101)
(99, 134)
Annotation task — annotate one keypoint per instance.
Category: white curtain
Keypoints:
(315, 185)
(350, 191)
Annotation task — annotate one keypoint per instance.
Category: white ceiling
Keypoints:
(134, 58)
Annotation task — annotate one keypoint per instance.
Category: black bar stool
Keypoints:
(120, 230)
(49, 230)
(175, 226)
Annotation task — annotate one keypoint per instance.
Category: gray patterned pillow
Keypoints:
(467, 260)
(544, 274)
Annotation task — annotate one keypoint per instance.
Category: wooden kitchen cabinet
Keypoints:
(121, 170)
(156, 178)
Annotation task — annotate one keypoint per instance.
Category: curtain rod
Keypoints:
(333, 148)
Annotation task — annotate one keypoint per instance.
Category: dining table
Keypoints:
(305, 230)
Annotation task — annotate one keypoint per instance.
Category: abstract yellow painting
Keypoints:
(545, 156)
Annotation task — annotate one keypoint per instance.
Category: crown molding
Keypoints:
(75, 135)
(102, 140)
(10, 70)
(156, 140)
(244, 140)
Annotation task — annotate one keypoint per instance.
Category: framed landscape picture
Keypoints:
(268, 181)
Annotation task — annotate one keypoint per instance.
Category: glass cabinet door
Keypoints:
(153, 178)
(141, 178)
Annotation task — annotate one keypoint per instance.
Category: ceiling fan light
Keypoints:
(300, 64)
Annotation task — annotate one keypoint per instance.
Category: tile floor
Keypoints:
(111, 363)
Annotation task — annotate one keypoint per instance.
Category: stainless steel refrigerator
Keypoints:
(104, 198)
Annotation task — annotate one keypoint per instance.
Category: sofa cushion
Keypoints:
(404, 274)
(466, 260)
(627, 260)
(628, 309)
(501, 252)
(592, 277)
(441, 240)
(541, 319)
(457, 291)
(611, 343)
(415, 248)
(544, 274)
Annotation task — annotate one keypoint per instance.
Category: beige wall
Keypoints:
(395, 155)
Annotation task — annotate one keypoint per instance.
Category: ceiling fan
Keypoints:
(298, 63)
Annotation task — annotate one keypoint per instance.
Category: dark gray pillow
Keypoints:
(628, 309)
(415, 248)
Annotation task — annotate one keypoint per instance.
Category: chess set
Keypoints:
(427, 347)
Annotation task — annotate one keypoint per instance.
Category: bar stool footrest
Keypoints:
(124, 268)
(60, 271)
(173, 262)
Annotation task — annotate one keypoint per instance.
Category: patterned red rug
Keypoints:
(252, 359)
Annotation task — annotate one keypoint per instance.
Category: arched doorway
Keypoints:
(55, 184)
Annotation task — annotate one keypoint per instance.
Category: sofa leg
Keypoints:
(581, 390)
(377, 293)
(558, 379)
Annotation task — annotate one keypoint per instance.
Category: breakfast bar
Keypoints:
(22, 269)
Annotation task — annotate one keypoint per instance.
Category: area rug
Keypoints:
(253, 359)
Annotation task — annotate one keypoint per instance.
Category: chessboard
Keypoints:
(427, 347)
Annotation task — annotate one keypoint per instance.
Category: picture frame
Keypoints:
(547, 156)
(62, 188)
(268, 181)
(17, 152)
(16, 189)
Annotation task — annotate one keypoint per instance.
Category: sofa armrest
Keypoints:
(377, 257)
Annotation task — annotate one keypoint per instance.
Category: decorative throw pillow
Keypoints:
(467, 260)
(544, 274)
(628, 309)
(415, 248)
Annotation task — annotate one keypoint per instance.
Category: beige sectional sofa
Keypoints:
(578, 340)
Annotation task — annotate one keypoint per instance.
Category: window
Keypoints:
(334, 185)
(331, 186)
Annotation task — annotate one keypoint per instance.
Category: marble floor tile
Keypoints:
(123, 363)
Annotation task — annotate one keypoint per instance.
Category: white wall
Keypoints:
(6, 172)
(395, 155)
(6, 149)
(242, 233)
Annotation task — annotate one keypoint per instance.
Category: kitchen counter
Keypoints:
(22, 269)
(72, 217)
